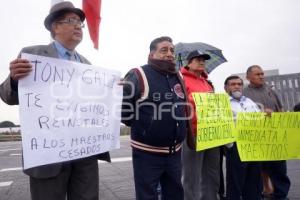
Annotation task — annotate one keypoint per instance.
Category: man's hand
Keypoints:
(19, 68)
(268, 112)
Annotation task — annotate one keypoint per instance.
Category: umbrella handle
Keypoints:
(180, 60)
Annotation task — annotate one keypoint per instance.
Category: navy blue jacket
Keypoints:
(159, 119)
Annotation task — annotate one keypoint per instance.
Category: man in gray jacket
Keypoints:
(76, 179)
(269, 102)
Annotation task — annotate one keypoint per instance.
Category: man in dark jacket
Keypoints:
(154, 108)
(76, 179)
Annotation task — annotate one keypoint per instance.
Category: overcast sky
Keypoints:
(263, 32)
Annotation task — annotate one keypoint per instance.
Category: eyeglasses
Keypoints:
(72, 21)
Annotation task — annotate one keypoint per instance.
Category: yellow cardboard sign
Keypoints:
(215, 125)
(268, 138)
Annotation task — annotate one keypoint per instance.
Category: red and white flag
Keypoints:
(92, 8)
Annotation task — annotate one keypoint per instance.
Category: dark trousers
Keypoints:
(222, 186)
(243, 179)
(278, 174)
(78, 180)
(150, 169)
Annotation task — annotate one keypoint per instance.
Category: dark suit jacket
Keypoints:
(10, 96)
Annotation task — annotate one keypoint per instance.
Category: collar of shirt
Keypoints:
(243, 105)
(62, 51)
(257, 87)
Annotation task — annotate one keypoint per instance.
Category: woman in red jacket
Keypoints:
(201, 170)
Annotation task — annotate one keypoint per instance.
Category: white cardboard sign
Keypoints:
(68, 110)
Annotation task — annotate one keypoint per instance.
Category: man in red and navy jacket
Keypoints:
(154, 106)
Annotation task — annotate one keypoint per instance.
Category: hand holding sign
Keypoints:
(19, 68)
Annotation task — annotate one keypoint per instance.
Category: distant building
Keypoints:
(287, 86)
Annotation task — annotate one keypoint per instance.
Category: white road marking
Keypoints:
(9, 150)
(121, 159)
(15, 154)
(11, 169)
(115, 160)
(6, 147)
(4, 184)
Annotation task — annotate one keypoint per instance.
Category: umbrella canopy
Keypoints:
(183, 49)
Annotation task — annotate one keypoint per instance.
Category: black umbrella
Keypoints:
(183, 49)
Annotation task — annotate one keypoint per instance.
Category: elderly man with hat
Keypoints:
(78, 179)
(200, 170)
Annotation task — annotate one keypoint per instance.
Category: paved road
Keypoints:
(116, 179)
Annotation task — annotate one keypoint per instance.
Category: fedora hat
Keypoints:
(59, 9)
